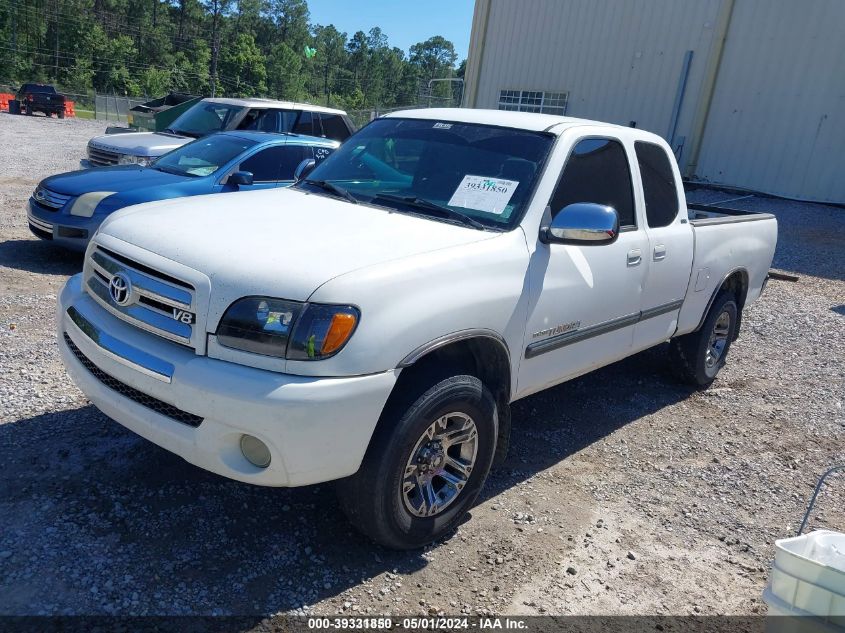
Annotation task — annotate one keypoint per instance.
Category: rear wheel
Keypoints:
(699, 356)
(425, 466)
(60, 114)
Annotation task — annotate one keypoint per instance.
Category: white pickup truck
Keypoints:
(373, 323)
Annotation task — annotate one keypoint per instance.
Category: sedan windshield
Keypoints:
(203, 156)
(455, 172)
(204, 118)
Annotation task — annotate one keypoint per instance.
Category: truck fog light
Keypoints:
(255, 451)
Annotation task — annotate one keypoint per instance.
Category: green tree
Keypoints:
(237, 47)
(435, 59)
(242, 65)
(284, 73)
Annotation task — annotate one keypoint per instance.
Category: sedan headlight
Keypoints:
(128, 159)
(287, 329)
(85, 204)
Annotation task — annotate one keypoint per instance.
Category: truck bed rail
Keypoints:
(709, 214)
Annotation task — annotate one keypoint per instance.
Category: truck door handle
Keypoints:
(659, 252)
(635, 257)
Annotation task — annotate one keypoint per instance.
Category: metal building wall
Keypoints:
(777, 119)
(778, 97)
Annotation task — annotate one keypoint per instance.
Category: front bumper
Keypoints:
(70, 231)
(317, 429)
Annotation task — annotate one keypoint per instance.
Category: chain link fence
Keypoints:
(114, 107)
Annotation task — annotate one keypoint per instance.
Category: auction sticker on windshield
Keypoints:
(485, 194)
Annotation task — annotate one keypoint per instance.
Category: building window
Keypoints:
(533, 101)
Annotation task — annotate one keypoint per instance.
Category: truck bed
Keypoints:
(725, 241)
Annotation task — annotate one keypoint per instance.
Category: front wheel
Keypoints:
(425, 465)
(699, 356)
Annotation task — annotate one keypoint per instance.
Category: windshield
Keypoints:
(204, 118)
(204, 156)
(486, 173)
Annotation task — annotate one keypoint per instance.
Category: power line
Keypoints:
(125, 29)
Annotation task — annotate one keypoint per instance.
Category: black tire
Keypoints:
(693, 355)
(28, 111)
(60, 114)
(374, 499)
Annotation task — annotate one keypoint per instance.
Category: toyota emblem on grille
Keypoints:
(120, 289)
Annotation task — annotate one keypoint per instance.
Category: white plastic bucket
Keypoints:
(808, 578)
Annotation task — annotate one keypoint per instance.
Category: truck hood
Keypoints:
(139, 143)
(282, 242)
(121, 178)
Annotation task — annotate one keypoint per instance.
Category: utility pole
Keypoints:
(326, 82)
(215, 44)
(14, 11)
(57, 42)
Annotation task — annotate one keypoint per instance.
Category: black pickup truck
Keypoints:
(33, 98)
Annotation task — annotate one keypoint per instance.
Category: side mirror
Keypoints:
(582, 223)
(240, 178)
(303, 169)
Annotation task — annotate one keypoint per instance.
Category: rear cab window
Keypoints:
(659, 186)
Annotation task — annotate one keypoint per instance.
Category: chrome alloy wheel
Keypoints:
(440, 465)
(718, 340)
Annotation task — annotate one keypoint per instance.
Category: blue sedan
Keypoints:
(68, 208)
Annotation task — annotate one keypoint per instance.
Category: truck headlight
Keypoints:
(85, 204)
(128, 159)
(287, 329)
(322, 331)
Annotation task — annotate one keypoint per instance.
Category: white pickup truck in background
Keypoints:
(373, 323)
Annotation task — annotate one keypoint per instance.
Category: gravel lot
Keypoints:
(625, 492)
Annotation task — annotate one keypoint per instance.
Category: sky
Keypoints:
(405, 22)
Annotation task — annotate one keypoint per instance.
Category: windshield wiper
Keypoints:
(169, 170)
(332, 188)
(181, 133)
(422, 204)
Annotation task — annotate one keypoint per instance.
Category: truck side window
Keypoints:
(597, 171)
(659, 187)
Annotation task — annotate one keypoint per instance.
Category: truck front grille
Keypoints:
(49, 200)
(101, 157)
(150, 300)
(154, 404)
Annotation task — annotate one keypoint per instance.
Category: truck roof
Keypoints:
(272, 103)
(519, 120)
